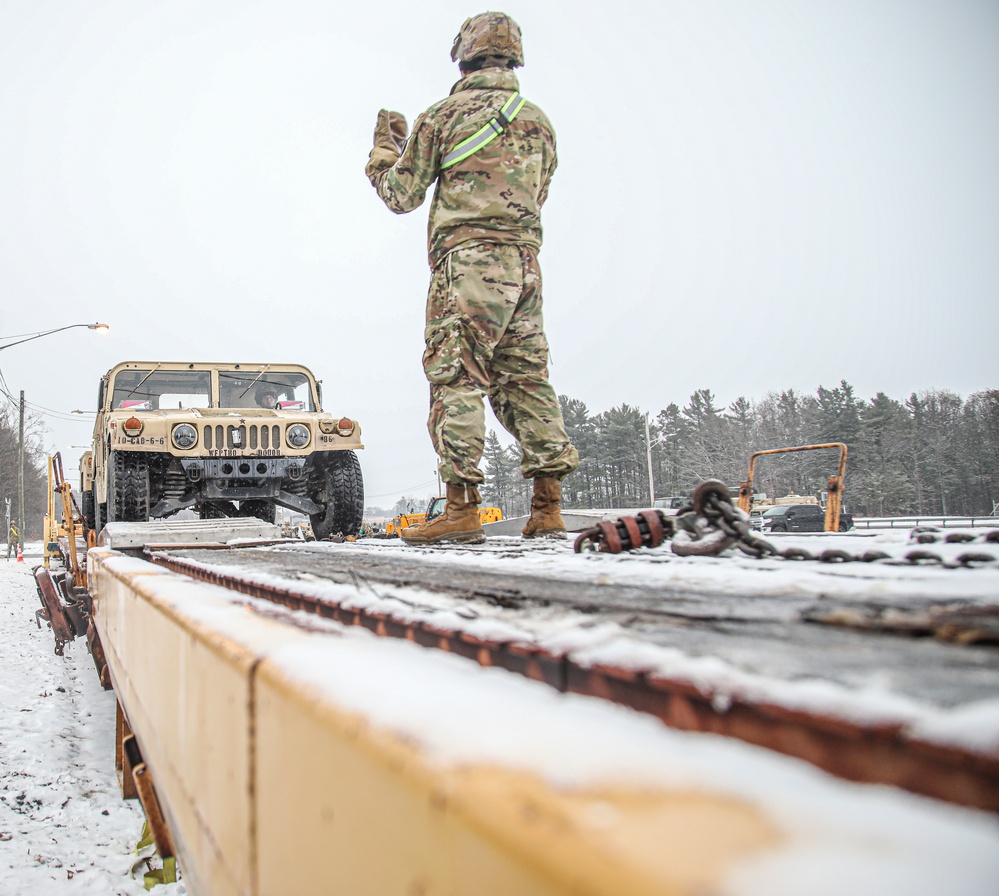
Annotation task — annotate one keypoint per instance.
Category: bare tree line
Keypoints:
(35, 471)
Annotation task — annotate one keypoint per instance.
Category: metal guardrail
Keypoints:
(910, 522)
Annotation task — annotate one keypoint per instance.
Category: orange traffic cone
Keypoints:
(20, 556)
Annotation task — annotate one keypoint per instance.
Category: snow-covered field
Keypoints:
(64, 828)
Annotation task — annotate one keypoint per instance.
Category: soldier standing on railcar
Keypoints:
(492, 153)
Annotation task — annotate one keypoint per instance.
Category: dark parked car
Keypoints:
(801, 518)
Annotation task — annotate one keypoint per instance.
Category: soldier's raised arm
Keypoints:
(402, 169)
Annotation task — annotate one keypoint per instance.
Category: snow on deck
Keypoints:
(732, 625)
(63, 828)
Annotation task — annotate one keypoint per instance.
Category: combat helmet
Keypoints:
(266, 388)
(488, 34)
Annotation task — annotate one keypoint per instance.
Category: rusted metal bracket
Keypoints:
(122, 765)
(146, 792)
(834, 502)
(97, 654)
(65, 607)
(52, 610)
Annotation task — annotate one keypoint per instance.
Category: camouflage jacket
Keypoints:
(494, 195)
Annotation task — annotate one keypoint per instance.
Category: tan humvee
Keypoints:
(223, 440)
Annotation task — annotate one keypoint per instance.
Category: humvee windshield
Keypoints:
(246, 389)
(152, 389)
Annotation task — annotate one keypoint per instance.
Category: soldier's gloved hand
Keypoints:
(391, 131)
(399, 129)
(379, 159)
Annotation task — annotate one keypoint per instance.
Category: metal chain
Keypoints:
(711, 524)
(648, 528)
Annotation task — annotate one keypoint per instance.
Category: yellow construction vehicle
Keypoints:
(436, 508)
(486, 514)
(69, 529)
(400, 522)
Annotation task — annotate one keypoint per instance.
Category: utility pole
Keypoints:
(20, 437)
(648, 457)
(20, 475)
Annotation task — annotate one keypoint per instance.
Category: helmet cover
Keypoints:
(488, 34)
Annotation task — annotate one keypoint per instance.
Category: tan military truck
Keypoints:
(224, 440)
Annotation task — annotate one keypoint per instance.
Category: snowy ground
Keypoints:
(63, 825)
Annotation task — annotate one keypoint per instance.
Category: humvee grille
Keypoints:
(242, 437)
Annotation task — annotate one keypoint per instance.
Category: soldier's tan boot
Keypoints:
(460, 521)
(546, 510)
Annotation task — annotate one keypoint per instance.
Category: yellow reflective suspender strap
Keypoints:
(487, 133)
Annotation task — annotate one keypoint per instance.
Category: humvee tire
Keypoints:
(88, 510)
(341, 489)
(128, 487)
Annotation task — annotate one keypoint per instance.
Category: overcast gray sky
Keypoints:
(751, 196)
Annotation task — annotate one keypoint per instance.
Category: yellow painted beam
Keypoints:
(367, 809)
(272, 785)
(186, 688)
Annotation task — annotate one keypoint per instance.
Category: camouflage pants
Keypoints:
(485, 336)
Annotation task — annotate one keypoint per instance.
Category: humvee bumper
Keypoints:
(240, 479)
(200, 469)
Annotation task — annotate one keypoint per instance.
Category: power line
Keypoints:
(408, 488)
(40, 409)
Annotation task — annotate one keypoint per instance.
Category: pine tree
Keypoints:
(936, 416)
(700, 429)
(520, 489)
(980, 423)
(579, 489)
(621, 433)
(667, 447)
(881, 482)
(740, 442)
(501, 472)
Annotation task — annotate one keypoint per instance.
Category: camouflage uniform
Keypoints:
(484, 327)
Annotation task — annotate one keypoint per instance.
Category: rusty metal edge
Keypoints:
(48, 593)
(868, 753)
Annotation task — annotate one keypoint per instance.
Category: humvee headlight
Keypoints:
(184, 436)
(298, 436)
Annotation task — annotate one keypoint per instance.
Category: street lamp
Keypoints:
(56, 330)
(20, 438)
